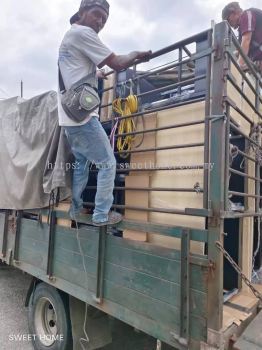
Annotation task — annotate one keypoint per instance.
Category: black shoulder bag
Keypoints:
(81, 99)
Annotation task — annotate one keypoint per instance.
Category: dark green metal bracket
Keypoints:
(51, 245)
(101, 265)
(4, 246)
(185, 286)
(199, 212)
(17, 236)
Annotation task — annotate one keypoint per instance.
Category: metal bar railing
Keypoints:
(246, 156)
(195, 38)
(238, 110)
(245, 136)
(229, 77)
(174, 126)
(240, 194)
(205, 53)
(181, 82)
(169, 168)
(197, 212)
(167, 148)
(241, 52)
(240, 71)
(174, 86)
(244, 175)
(163, 108)
(151, 189)
(165, 88)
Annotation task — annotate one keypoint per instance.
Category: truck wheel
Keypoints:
(49, 320)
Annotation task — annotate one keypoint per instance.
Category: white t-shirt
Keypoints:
(81, 51)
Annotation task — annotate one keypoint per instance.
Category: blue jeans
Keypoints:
(89, 144)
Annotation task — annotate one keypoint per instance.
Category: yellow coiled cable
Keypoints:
(125, 107)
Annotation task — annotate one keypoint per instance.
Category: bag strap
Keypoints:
(84, 80)
(78, 83)
(61, 81)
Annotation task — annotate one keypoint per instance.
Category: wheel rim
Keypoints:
(46, 321)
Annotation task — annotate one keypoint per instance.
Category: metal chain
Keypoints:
(239, 271)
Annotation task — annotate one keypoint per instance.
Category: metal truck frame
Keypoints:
(172, 295)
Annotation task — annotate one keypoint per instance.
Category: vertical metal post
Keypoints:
(51, 244)
(207, 124)
(115, 81)
(185, 286)
(257, 100)
(180, 58)
(17, 235)
(101, 264)
(5, 233)
(22, 89)
(227, 155)
(217, 180)
(257, 200)
(246, 205)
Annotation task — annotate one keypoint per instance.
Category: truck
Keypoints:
(178, 271)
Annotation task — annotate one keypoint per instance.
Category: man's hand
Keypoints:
(101, 74)
(242, 64)
(144, 55)
(236, 53)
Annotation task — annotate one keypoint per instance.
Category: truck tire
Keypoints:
(49, 319)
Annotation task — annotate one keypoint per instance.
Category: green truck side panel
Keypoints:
(138, 277)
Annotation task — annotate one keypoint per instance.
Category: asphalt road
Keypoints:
(13, 314)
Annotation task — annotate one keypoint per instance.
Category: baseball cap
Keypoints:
(229, 8)
(90, 3)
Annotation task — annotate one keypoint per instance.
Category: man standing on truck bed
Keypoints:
(249, 25)
(80, 53)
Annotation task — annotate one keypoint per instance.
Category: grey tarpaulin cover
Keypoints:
(34, 154)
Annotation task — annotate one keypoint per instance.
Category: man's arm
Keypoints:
(245, 44)
(120, 62)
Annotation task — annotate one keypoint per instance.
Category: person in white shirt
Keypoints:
(80, 53)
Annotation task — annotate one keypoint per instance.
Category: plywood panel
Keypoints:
(236, 97)
(144, 160)
(247, 223)
(179, 178)
(138, 199)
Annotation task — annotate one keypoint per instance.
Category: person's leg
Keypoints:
(99, 152)
(93, 144)
(81, 168)
(80, 179)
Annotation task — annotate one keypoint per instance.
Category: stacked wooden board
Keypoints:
(247, 223)
(183, 177)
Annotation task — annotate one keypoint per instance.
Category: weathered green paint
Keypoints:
(139, 277)
(155, 328)
(165, 230)
(155, 276)
(34, 258)
(132, 300)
